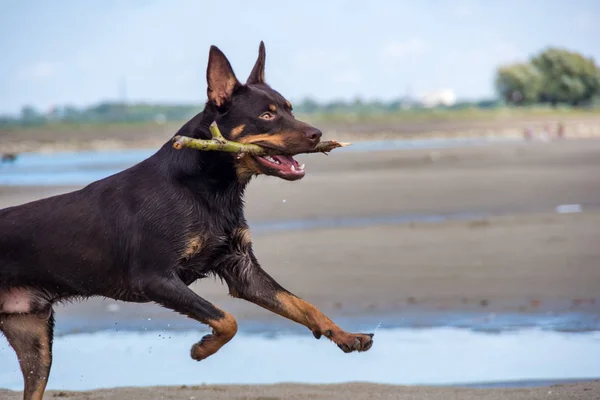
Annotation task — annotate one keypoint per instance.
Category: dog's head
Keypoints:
(255, 113)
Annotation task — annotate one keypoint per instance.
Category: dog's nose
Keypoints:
(313, 134)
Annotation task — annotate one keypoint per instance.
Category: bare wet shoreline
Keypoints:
(356, 391)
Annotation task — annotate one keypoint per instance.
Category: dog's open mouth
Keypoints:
(283, 166)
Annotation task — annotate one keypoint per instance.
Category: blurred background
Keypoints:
(462, 225)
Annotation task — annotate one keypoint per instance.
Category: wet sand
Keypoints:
(354, 391)
(523, 258)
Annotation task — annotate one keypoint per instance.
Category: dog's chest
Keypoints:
(203, 247)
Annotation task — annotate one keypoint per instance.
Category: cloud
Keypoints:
(463, 9)
(503, 52)
(40, 70)
(347, 77)
(585, 22)
(401, 50)
(471, 72)
(319, 58)
(494, 54)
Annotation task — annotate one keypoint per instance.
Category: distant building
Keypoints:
(440, 97)
(406, 103)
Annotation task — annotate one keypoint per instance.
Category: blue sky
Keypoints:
(79, 52)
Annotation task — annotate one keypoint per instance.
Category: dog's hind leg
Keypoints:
(174, 294)
(30, 335)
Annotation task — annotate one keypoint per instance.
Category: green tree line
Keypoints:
(554, 76)
(111, 112)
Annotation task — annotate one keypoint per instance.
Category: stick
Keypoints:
(219, 143)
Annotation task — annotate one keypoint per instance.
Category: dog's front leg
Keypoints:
(250, 282)
(172, 293)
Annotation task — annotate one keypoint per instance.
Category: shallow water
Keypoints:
(128, 317)
(81, 168)
(399, 356)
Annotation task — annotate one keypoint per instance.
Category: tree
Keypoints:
(567, 77)
(519, 83)
(29, 113)
(308, 106)
(70, 113)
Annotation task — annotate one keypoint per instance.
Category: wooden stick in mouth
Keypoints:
(219, 143)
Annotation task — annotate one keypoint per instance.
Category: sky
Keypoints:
(83, 52)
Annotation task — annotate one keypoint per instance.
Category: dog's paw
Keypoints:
(355, 342)
(204, 348)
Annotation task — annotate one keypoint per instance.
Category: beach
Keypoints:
(395, 237)
(357, 391)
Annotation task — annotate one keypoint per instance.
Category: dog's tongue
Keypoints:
(287, 160)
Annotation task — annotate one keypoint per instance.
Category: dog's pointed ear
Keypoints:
(220, 78)
(258, 72)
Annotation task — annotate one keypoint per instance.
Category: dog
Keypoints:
(146, 233)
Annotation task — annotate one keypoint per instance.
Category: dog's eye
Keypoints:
(267, 115)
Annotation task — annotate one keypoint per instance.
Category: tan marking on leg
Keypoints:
(237, 131)
(303, 312)
(224, 329)
(192, 247)
(310, 316)
(28, 334)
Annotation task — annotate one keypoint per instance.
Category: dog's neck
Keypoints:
(208, 173)
(198, 126)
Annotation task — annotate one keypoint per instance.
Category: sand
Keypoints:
(525, 257)
(354, 391)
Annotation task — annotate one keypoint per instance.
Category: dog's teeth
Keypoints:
(293, 168)
(302, 166)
